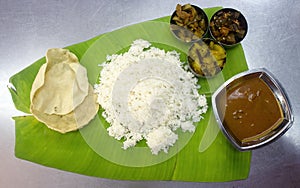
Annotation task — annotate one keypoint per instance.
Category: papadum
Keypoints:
(60, 85)
(74, 120)
(61, 96)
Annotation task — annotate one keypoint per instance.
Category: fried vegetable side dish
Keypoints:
(206, 58)
(228, 26)
(189, 23)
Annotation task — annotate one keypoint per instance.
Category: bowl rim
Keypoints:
(280, 92)
(224, 44)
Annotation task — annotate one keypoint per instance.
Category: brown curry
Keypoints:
(249, 109)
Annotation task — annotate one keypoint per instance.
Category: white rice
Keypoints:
(147, 94)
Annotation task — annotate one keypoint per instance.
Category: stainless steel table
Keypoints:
(28, 28)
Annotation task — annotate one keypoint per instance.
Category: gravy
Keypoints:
(249, 109)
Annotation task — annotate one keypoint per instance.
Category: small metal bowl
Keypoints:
(283, 103)
(228, 26)
(183, 31)
(206, 60)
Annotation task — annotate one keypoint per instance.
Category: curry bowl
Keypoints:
(252, 109)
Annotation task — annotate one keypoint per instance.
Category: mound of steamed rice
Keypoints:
(147, 93)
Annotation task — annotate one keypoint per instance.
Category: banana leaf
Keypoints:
(90, 151)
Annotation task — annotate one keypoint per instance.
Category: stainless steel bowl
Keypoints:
(190, 36)
(280, 95)
(205, 43)
(241, 19)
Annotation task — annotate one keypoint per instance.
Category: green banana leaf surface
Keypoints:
(90, 151)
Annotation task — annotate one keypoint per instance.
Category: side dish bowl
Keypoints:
(252, 109)
(206, 58)
(228, 26)
(189, 23)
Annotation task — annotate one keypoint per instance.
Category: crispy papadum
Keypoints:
(61, 96)
(60, 85)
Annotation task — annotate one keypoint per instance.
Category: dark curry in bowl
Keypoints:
(252, 109)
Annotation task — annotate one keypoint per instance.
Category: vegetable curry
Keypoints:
(249, 109)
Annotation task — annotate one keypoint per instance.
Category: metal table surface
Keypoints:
(29, 27)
